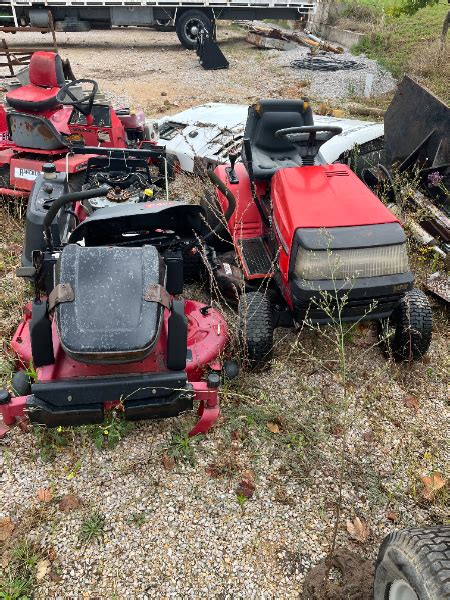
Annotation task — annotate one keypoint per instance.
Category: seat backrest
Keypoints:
(267, 116)
(33, 131)
(46, 69)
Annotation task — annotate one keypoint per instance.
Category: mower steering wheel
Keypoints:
(311, 129)
(84, 104)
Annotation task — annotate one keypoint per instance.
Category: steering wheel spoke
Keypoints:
(83, 105)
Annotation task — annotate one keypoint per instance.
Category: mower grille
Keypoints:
(255, 256)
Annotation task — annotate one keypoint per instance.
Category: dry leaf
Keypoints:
(213, 470)
(51, 553)
(42, 568)
(368, 436)
(69, 502)
(168, 462)
(411, 402)
(245, 488)
(392, 516)
(273, 427)
(432, 484)
(247, 485)
(45, 495)
(6, 528)
(358, 529)
(6, 559)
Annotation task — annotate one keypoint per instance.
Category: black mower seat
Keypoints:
(46, 79)
(109, 320)
(270, 153)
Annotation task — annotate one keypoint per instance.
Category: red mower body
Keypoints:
(35, 129)
(206, 341)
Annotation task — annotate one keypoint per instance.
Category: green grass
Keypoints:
(408, 44)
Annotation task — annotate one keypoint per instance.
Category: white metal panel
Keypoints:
(301, 6)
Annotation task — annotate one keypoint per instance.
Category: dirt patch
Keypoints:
(352, 574)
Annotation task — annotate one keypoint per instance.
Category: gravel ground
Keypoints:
(174, 520)
(343, 83)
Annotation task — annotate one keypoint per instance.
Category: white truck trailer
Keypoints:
(186, 17)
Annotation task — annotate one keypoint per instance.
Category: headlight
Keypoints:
(351, 264)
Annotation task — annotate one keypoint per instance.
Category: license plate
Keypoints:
(29, 174)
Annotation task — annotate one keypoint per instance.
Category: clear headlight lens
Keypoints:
(351, 264)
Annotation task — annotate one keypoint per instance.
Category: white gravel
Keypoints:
(338, 84)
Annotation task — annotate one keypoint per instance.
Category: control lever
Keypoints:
(231, 173)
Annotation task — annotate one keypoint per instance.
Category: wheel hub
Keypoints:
(401, 590)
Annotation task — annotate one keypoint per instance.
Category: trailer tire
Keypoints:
(188, 25)
(414, 564)
(256, 326)
(412, 321)
(220, 240)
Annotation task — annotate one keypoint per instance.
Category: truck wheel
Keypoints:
(220, 240)
(414, 564)
(407, 333)
(255, 326)
(188, 26)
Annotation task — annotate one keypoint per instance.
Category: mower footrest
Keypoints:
(255, 257)
(172, 406)
(43, 413)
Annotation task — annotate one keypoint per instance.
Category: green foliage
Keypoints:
(109, 433)
(92, 528)
(410, 7)
(17, 579)
(181, 448)
(50, 441)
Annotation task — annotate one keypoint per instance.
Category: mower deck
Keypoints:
(74, 393)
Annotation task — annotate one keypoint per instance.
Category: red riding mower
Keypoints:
(106, 327)
(43, 119)
(299, 233)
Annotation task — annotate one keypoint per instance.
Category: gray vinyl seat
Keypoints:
(270, 153)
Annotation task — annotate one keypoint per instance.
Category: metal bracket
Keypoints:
(156, 293)
(61, 293)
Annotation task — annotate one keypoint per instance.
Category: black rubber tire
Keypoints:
(413, 324)
(256, 326)
(21, 383)
(182, 24)
(221, 239)
(419, 556)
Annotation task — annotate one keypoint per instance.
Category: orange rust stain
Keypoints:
(45, 132)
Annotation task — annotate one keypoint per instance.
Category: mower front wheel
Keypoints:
(256, 326)
(406, 335)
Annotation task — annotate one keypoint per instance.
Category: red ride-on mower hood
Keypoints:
(323, 196)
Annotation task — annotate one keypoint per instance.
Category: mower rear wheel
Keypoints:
(256, 326)
(414, 564)
(406, 335)
(220, 240)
